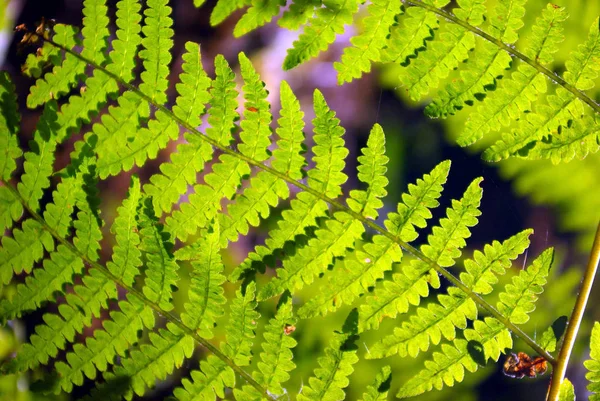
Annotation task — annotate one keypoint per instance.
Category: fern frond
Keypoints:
(298, 13)
(443, 248)
(40, 159)
(64, 76)
(579, 140)
(326, 177)
(126, 257)
(567, 391)
(146, 364)
(257, 15)
(501, 108)
(378, 391)
(120, 331)
(11, 209)
(452, 310)
(335, 366)
(409, 38)
(206, 292)
(489, 335)
(369, 263)
(43, 284)
(593, 364)
(166, 188)
(368, 45)
(265, 189)
(338, 233)
(26, 247)
(85, 302)
(226, 174)
(9, 128)
(161, 267)
(371, 171)
(215, 374)
(95, 30)
(224, 8)
(156, 54)
(276, 358)
(80, 108)
(321, 30)
(562, 107)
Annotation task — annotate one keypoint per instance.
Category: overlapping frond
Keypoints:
(331, 377)
(440, 319)
(368, 263)
(149, 330)
(489, 336)
(443, 248)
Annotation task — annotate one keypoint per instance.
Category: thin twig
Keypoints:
(559, 370)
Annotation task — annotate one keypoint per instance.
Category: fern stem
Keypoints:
(168, 315)
(337, 205)
(510, 50)
(558, 373)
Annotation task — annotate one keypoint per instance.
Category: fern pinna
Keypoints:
(423, 41)
(53, 254)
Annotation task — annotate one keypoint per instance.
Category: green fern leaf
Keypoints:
(58, 214)
(40, 159)
(215, 374)
(161, 267)
(371, 171)
(242, 323)
(88, 233)
(126, 260)
(9, 128)
(64, 76)
(369, 263)
(482, 73)
(593, 364)
(84, 303)
(577, 141)
(326, 177)
(95, 30)
(443, 248)
(224, 8)
(26, 247)
(266, 189)
(80, 108)
(146, 365)
(43, 284)
(489, 335)
(227, 173)
(567, 392)
(438, 320)
(515, 96)
(11, 208)
(276, 358)
(338, 233)
(378, 391)
(205, 294)
(321, 31)
(287, 158)
(335, 366)
(409, 38)
(298, 13)
(259, 14)
(99, 351)
(445, 51)
(368, 45)
(156, 54)
(166, 188)
(561, 108)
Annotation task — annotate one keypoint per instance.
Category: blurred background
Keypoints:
(561, 203)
